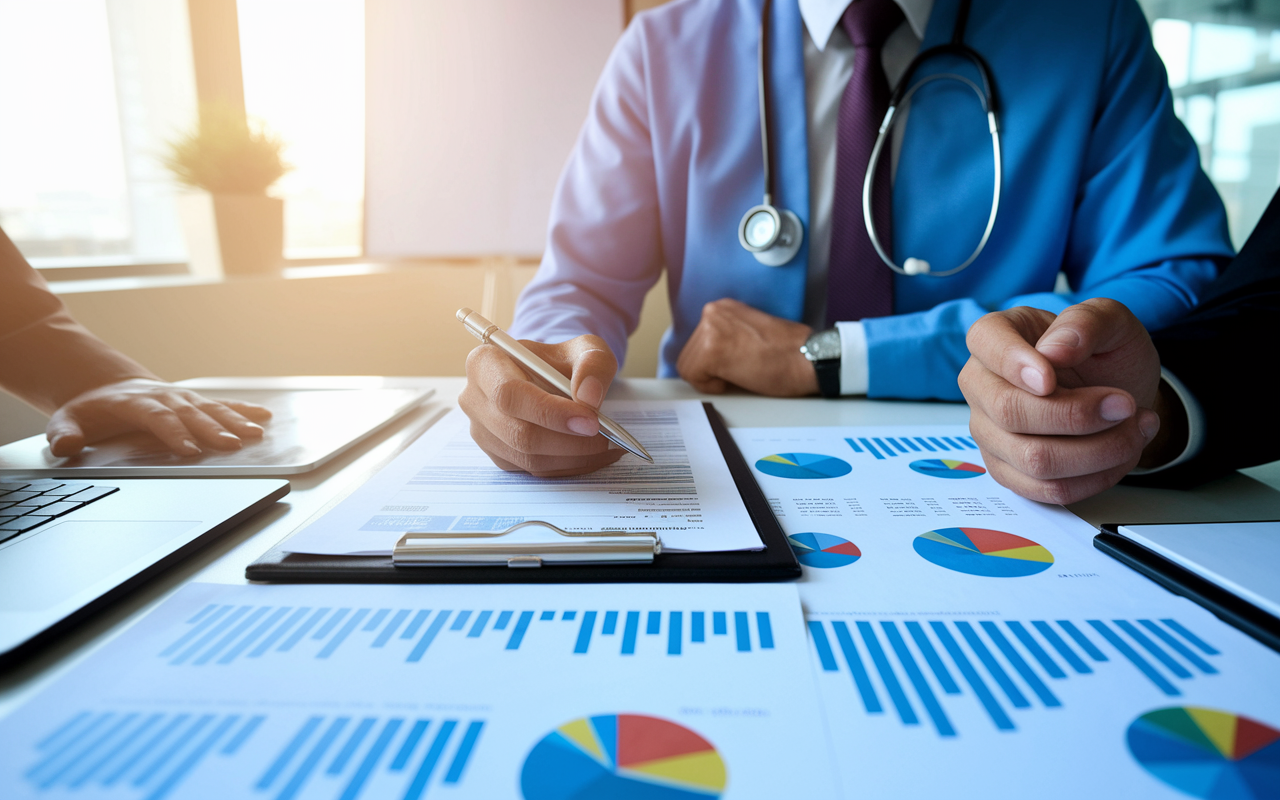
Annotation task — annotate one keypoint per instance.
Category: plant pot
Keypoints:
(233, 234)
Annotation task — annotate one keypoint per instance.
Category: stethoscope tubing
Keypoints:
(882, 136)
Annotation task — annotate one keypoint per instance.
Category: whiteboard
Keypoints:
(472, 109)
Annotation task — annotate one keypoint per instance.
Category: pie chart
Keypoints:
(947, 468)
(803, 466)
(978, 551)
(823, 550)
(1208, 753)
(622, 756)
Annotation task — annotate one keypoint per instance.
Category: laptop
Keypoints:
(70, 547)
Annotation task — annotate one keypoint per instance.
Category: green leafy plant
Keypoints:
(225, 154)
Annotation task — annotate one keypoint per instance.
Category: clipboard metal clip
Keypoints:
(525, 545)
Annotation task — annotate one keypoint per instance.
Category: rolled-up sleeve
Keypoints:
(46, 357)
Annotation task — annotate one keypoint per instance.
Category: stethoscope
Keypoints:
(774, 235)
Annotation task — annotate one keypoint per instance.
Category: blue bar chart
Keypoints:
(1008, 666)
(150, 755)
(886, 447)
(226, 634)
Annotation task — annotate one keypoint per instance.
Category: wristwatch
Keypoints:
(823, 349)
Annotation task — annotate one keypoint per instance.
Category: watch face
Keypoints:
(823, 346)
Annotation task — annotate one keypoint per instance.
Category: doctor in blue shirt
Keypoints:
(733, 143)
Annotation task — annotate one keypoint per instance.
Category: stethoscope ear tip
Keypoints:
(916, 266)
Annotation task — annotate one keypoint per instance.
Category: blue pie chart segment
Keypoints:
(824, 551)
(803, 466)
(947, 468)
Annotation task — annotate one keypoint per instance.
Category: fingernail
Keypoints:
(590, 392)
(253, 426)
(191, 447)
(1034, 379)
(583, 426)
(1116, 407)
(1149, 424)
(1063, 337)
(230, 440)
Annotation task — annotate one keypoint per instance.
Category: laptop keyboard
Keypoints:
(25, 505)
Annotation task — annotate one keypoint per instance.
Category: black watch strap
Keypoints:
(828, 370)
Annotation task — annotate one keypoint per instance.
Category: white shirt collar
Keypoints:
(822, 16)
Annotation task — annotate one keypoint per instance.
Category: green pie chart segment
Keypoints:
(622, 757)
(803, 466)
(1208, 753)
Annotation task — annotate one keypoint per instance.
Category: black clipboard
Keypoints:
(775, 562)
(1231, 609)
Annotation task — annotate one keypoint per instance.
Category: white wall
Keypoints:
(471, 110)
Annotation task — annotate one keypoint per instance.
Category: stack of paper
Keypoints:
(949, 639)
(969, 642)
(546, 693)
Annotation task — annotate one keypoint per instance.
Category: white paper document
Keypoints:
(349, 692)
(444, 482)
(971, 643)
(928, 527)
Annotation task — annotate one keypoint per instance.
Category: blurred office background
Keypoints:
(1223, 59)
(426, 137)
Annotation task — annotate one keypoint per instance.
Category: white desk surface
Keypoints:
(1254, 494)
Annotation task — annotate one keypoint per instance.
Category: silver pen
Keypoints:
(488, 333)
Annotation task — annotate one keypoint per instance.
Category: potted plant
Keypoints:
(232, 226)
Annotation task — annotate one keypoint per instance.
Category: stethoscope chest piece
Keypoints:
(772, 235)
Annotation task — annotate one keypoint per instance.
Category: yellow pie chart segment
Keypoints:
(700, 772)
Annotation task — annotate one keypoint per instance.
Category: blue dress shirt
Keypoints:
(1101, 181)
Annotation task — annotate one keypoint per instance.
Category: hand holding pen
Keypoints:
(523, 423)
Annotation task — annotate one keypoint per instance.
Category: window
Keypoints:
(303, 67)
(1223, 61)
(90, 91)
(93, 89)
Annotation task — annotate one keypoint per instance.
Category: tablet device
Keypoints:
(314, 419)
(1231, 568)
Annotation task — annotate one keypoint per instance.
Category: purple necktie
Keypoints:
(858, 283)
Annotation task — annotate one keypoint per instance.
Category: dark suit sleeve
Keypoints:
(46, 357)
(1224, 352)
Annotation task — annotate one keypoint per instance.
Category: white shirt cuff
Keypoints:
(1195, 424)
(853, 358)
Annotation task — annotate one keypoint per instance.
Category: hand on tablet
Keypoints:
(184, 420)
